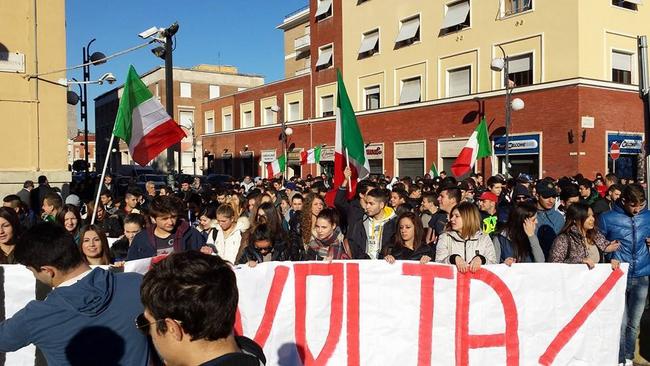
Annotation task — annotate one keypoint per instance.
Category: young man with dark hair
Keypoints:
(352, 211)
(448, 197)
(168, 234)
(106, 198)
(372, 236)
(428, 207)
(190, 302)
(398, 197)
(87, 319)
(613, 194)
(24, 193)
(628, 222)
(549, 220)
(590, 196)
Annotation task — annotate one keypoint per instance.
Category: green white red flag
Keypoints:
(276, 166)
(349, 142)
(478, 146)
(433, 171)
(143, 123)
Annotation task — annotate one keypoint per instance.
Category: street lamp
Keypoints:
(96, 58)
(164, 36)
(284, 136)
(501, 64)
(191, 128)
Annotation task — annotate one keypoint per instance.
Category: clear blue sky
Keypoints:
(238, 33)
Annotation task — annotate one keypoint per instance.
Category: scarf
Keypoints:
(329, 247)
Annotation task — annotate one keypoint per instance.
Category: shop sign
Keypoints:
(268, 156)
(521, 144)
(327, 154)
(246, 154)
(375, 152)
(628, 144)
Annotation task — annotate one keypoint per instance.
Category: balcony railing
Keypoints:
(302, 43)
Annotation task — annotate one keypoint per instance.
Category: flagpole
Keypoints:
(347, 162)
(101, 180)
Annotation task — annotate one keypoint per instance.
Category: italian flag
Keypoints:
(433, 171)
(478, 146)
(349, 142)
(311, 156)
(143, 123)
(276, 166)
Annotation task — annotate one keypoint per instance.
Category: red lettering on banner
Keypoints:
(579, 319)
(352, 288)
(271, 308)
(336, 310)
(466, 341)
(427, 286)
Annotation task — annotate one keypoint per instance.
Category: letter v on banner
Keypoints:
(302, 271)
(272, 302)
(466, 341)
(427, 285)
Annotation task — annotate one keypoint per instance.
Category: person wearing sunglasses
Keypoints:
(200, 334)
(263, 246)
(86, 307)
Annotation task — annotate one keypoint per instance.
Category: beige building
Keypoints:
(297, 42)
(412, 51)
(35, 115)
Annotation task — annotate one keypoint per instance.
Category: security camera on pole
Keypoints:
(164, 36)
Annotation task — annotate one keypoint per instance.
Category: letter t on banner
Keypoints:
(464, 340)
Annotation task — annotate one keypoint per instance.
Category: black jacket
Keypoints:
(438, 222)
(358, 238)
(279, 254)
(350, 211)
(406, 254)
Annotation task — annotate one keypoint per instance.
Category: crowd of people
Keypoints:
(466, 223)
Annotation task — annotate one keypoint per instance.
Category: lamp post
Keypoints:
(165, 36)
(284, 137)
(97, 58)
(501, 64)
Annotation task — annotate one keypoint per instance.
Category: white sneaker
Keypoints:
(629, 362)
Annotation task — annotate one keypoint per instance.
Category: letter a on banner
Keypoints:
(466, 341)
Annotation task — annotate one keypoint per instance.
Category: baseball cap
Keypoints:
(489, 196)
(524, 178)
(546, 188)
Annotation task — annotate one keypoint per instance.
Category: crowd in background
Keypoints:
(467, 223)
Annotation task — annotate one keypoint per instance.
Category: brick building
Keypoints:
(191, 87)
(419, 76)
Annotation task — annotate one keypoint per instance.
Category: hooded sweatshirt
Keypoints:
(90, 322)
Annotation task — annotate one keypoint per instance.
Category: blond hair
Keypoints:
(471, 217)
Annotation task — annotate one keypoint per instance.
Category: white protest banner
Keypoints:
(374, 313)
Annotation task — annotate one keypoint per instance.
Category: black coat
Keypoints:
(280, 253)
(350, 211)
(406, 254)
(358, 238)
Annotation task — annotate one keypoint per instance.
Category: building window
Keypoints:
(369, 44)
(215, 91)
(517, 6)
(324, 57)
(410, 91)
(324, 10)
(372, 97)
(209, 122)
(268, 116)
(621, 67)
(456, 17)
(294, 111)
(520, 69)
(327, 106)
(627, 4)
(227, 122)
(186, 90)
(248, 119)
(459, 82)
(409, 32)
(186, 120)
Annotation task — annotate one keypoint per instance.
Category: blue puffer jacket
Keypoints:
(631, 231)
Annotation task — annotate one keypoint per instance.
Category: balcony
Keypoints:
(302, 44)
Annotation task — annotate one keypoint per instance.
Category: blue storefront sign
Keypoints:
(519, 145)
(629, 144)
